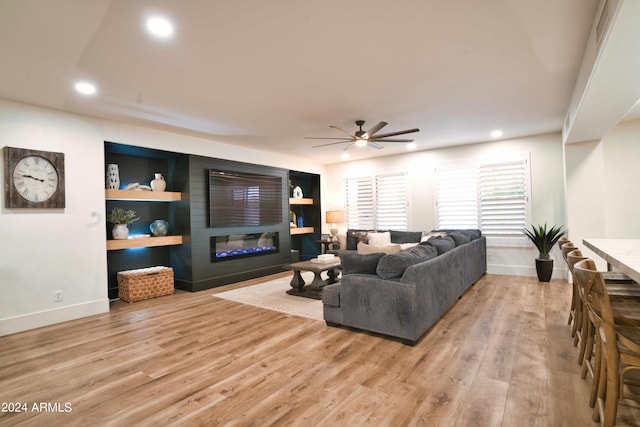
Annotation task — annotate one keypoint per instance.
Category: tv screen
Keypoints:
(239, 199)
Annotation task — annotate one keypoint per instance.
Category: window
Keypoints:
(377, 202)
(489, 195)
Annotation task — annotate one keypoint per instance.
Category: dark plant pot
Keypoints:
(544, 268)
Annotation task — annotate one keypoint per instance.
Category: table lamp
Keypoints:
(333, 218)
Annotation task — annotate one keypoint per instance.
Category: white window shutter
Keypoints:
(503, 197)
(377, 202)
(457, 197)
(360, 203)
(391, 201)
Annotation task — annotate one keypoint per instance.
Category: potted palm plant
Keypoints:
(544, 238)
(120, 220)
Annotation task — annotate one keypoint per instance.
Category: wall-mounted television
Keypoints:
(241, 199)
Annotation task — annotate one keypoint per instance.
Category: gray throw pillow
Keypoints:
(394, 265)
(442, 244)
(355, 263)
(460, 237)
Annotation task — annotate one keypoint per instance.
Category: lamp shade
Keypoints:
(334, 217)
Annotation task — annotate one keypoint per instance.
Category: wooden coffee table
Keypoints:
(314, 289)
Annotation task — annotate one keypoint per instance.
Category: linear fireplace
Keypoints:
(234, 246)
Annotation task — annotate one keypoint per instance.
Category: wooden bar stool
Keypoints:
(617, 345)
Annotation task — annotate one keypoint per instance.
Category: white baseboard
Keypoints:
(11, 325)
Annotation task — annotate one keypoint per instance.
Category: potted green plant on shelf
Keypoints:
(120, 220)
(544, 238)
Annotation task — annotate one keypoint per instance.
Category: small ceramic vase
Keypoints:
(113, 177)
(120, 231)
(158, 184)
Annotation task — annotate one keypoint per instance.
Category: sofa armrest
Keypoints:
(374, 304)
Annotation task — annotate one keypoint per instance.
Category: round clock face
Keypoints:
(35, 178)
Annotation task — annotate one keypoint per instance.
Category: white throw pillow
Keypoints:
(379, 239)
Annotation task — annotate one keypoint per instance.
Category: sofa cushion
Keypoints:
(363, 248)
(442, 244)
(405, 236)
(460, 237)
(354, 263)
(474, 234)
(394, 265)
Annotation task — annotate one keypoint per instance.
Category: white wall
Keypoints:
(547, 192)
(603, 187)
(42, 250)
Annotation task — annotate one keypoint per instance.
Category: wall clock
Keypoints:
(33, 178)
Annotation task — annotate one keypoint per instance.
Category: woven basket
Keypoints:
(145, 283)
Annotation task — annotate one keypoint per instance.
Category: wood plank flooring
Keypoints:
(502, 356)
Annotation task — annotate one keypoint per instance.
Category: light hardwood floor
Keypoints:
(502, 356)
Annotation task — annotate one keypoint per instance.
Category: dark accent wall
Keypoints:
(192, 264)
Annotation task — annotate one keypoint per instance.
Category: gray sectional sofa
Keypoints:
(402, 294)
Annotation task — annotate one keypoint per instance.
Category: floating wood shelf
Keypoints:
(143, 242)
(302, 230)
(146, 196)
(301, 201)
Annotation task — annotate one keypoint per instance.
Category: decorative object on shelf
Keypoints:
(158, 183)
(113, 177)
(33, 178)
(293, 221)
(120, 219)
(544, 239)
(333, 218)
(159, 228)
(297, 192)
(300, 222)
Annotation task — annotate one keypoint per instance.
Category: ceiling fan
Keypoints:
(362, 138)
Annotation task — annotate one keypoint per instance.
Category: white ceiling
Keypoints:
(266, 74)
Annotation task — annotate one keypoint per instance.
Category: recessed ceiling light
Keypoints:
(86, 88)
(160, 27)
(496, 133)
(411, 146)
(345, 155)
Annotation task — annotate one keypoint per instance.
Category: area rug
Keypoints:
(272, 296)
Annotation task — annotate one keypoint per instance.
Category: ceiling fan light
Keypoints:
(361, 143)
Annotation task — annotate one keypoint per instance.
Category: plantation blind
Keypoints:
(391, 201)
(377, 202)
(489, 195)
(503, 197)
(457, 197)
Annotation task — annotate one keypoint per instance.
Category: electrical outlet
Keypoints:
(57, 296)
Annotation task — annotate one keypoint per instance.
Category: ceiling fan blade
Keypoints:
(391, 140)
(376, 128)
(400, 132)
(341, 130)
(374, 145)
(331, 143)
(320, 137)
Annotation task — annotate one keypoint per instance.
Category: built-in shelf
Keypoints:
(301, 201)
(146, 196)
(143, 242)
(302, 230)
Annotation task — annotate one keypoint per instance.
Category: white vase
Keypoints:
(120, 231)
(158, 184)
(113, 177)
